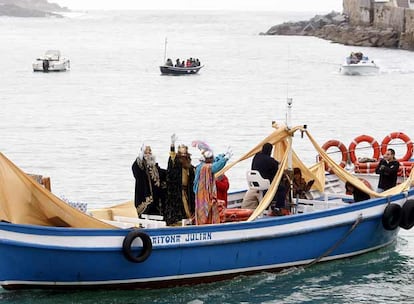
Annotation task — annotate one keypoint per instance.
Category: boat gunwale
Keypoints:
(253, 227)
(230, 226)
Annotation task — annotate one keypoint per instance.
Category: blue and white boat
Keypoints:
(57, 246)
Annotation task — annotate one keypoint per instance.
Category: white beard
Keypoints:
(152, 168)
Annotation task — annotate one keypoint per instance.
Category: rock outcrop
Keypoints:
(30, 8)
(336, 27)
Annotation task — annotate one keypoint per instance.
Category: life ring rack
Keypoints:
(146, 246)
(363, 138)
(342, 148)
(404, 138)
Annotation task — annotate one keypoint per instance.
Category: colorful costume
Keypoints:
(206, 204)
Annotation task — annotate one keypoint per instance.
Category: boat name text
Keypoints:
(179, 238)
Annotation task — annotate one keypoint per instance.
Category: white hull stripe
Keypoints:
(115, 242)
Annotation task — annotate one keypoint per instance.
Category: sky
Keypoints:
(271, 5)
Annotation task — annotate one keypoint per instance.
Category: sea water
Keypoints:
(85, 127)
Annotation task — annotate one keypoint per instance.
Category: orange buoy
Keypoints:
(342, 149)
(368, 167)
(405, 169)
(404, 138)
(363, 138)
(237, 214)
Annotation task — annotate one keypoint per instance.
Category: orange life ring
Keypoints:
(364, 170)
(237, 214)
(342, 149)
(405, 169)
(404, 138)
(368, 167)
(363, 138)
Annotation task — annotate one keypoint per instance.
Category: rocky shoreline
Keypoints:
(336, 28)
(30, 8)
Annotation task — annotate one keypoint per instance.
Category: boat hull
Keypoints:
(45, 257)
(170, 70)
(54, 66)
(359, 69)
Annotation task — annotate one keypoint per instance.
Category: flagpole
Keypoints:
(165, 50)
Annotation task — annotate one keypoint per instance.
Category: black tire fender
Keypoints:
(407, 220)
(146, 246)
(391, 217)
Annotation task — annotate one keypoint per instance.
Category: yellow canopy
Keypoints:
(24, 201)
(280, 140)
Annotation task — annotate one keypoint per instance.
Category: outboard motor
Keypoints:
(45, 65)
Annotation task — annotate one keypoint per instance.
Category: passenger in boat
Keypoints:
(169, 62)
(264, 163)
(250, 199)
(178, 63)
(197, 62)
(183, 64)
(45, 65)
(267, 167)
(353, 59)
(149, 183)
(179, 203)
(222, 185)
(358, 195)
(300, 186)
(207, 206)
(388, 170)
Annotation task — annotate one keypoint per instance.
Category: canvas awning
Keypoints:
(24, 201)
(279, 139)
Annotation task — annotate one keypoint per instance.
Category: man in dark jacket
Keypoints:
(264, 163)
(387, 170)
(267, 167)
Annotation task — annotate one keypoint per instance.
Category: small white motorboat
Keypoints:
(358, 64)
(52, 61)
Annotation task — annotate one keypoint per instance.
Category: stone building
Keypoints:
(392, 15)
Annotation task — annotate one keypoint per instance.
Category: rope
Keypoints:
(339, 242)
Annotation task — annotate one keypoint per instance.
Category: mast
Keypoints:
(289, 102)
(165, 50)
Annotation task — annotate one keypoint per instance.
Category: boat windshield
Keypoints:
(52, 55)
